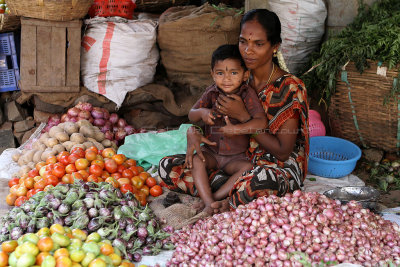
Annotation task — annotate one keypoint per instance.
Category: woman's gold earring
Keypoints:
(275, 53)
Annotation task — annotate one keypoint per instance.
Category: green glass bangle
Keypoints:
(199, 128)
(254, 135)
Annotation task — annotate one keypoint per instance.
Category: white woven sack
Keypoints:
(118, 56)
(303, 25)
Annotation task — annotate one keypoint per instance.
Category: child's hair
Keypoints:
(227, 51)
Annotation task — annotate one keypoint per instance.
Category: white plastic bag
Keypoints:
(118, 56)
(303, 25)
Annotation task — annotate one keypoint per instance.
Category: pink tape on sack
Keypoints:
(101, 78)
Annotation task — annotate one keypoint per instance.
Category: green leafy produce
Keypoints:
(374, 35)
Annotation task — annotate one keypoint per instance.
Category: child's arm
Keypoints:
(201, 109)
(257, 123)
(204, 114)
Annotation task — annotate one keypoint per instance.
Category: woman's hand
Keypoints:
(233, 107)
(229, 129)
(194, 139)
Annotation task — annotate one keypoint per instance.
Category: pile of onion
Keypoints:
(285, 231)
(114, 127)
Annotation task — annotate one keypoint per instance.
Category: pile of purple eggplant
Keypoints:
(91, 207)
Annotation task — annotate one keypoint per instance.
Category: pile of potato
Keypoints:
(63, 137)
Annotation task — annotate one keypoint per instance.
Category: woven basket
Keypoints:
(57, 10)
(9, 23)
(157, 5)
(358, 113)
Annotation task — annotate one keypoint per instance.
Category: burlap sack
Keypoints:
(188, 35)
(180, 214)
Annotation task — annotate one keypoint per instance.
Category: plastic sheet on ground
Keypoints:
(160, 259)
(7, 166)
(392, 214)
(314, 183)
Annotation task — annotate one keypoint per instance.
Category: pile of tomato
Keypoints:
(60, 246)
(90, 165)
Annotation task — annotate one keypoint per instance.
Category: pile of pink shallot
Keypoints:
(273, 231)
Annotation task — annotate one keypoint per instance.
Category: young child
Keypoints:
(229, 74)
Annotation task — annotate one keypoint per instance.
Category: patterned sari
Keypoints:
(283, 99)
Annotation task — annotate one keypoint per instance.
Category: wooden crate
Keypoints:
(50, 55)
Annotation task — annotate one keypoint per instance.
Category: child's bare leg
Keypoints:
(235, 169)
(201, 181)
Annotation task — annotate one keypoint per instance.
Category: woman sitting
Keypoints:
(279, 153)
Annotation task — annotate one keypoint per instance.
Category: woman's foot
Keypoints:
(208, 210)
(198, 206)
(220, 206)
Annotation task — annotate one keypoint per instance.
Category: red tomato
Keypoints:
(90, 155)
(121, 168)
(105, 174)
(72, 158)
(41, 184)
(78, 151)
(130, 162)
(52, 180)
(98, 162)
(84, 174)
(13, 181)
(20, 200)
(67, 179)
(48, 167)
(140, 169)
(108, 153)
(123, 181)
(76, 176)
(150, 182)
(135, 170)
(116, 175)
(92, 178)
(111, 165)
(30, 193)
(137, 182)
(145, 190)
(156, 191)
(127, 173)
(62, 154)
(29, 182)
(58, 171)
(119, 158)
(64, 160)
(113, 182)
(51, 160)
(32, 173)
(95, 170)
(126, 188)
(92, 148)
(81, 164)
(70, 168)
(39, 165)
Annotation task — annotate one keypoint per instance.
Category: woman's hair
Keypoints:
(268, 20)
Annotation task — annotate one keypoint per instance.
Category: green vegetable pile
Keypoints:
(374, 35)
(385, 174)
(93, 207)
